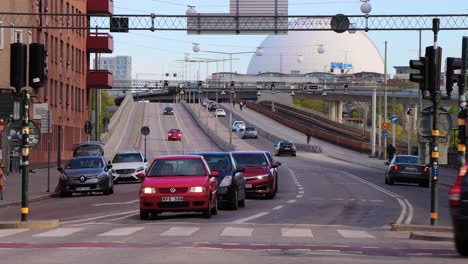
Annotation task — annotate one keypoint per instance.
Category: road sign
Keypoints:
(394, 119)
(14, 134)
(39, 110)
(385, 133)
(44, 123)
(385, 126)
(88, 127)
(145, 131)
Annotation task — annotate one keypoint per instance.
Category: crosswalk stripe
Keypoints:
(121, 231)
(236, 231)
(9, 232)
(180, 231)
(59, 232)
(296, 232)
(355, 234)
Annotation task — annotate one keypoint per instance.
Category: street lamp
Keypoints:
(366, 8)
(273, 97)
(191, 11)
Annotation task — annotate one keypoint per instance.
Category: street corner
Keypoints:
(33, 224)
(432, 236)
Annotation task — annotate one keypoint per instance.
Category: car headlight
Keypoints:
(226, 181)
(197, 189)
(140, 168)
(63, 177)
(263, 177)
(149, 190)
(102, 176)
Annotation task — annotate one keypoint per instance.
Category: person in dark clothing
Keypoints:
(390, 151)
(308, 138)
(241, 104)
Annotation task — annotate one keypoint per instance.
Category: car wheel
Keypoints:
(462, 246)
(65, 194)
(276, 184)
(294, 154)
(214, 210)
(242, 203)
(144, 215)
(207, 212)
(234, 205)
(277, 154)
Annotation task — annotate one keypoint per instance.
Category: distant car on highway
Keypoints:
(88, 148)
(250, 132)
(231, 184)
(85, 174)
(179, 184)
(174, 134)
(220, 112)
(261, 177)
(458, 202)
(285, 147)
(212, 106)
(406, 168)
(129, 166)
(239, 124)
(168, 110)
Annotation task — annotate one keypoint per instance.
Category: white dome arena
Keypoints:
(283, 53)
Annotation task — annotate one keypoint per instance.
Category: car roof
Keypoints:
(174, 128)
(168, 107)
(87, 157)
(177, 157)
(249, 152)
(90, 143)
(128, 152)
(218, 153)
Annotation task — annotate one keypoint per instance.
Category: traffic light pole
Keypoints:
(26, 100)
(462, 106)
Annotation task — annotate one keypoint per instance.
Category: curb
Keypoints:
(423, 228)
(31, 200)
(430, 237)
(34, 224)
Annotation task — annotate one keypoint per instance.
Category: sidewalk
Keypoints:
(37, 186)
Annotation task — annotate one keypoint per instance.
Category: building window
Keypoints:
(72, 58)
(1, 35)
(16, 35)
(67, 94)
(61, 94)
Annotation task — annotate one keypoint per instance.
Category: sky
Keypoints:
(155, 53)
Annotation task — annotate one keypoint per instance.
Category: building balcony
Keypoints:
(99, 79)
(100, 43)
(100, 7)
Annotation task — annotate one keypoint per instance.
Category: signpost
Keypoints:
(145, 132)
(46, 127)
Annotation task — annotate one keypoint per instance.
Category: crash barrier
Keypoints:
(114, 121)
(222, 144)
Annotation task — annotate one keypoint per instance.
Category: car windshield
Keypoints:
(407, 159)
(174, 131)
(218, 162)
(127, 157)
(250, 160)
(85, 163)
(179, 167)
(250, 129)
(238, 123)
(88, 150)
(168, 108)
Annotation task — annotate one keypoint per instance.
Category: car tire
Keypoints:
(214, 210)
(234, 204)
(242, 203)
(424, 184)
(294, 154)
(65, 194)
(144, 215)
(207, 212)
(462, 246)
(277, 154)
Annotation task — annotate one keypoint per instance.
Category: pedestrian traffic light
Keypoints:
(452, 72)
(434, 61)
(421, 76)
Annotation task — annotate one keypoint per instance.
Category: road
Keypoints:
(326, 210)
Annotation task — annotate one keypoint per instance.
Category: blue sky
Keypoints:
(155, 53)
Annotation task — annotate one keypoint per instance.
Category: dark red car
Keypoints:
(180, 183)
(174, 134)
(458, 202)
(260, 174)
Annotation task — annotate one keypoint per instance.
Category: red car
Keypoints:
(174, 134)
(180, 183)
(260, 173)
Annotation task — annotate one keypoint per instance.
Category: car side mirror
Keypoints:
(274, 165)
(108, 162)
(240, 170)
(109, 166)
(145, 160)
(387, 163)
(214, 173)
(60, 170)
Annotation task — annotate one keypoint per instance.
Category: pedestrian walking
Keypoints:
(241, 104)
(308, 138)
(390, 151)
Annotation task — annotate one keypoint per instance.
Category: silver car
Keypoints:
(84, 175)
(250, 132)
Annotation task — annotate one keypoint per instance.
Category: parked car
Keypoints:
(220, 112)
(86, 174)
(168, 110)
(179, 184)
(231, 184)
(458, 202)
(406, 168)
(239, 124)
(129, 166)
(261, 176)
(88, 148)
(174, 134)
(250, 132)
(285, 147)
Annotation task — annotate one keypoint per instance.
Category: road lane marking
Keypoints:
(300, 192)
(100, 217)
(291, 201)
(250, 218)
(59, 232)
(315, 198)
(180, 231)
(338, 199)
(296, 232)
(237, 231)
(301, 188)
(125, 231)
(299, 196)
(9, 232)
(410, 212)
(105, 204)
(354, 234)
(277, 207)
(376, 201)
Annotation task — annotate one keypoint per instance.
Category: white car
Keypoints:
(239, 124)
(129, 166)
(220, 112)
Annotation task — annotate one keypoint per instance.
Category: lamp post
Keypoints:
(366, 8)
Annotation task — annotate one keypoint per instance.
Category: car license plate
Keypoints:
(83, 188)
(173, 199)
(411, 169)
(125, 176)
(286, 148)
(248, 186)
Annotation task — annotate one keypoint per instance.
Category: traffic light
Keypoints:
(18, 60)
(37, 65)
(420, 77)
(452, 65)
(434, 61)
